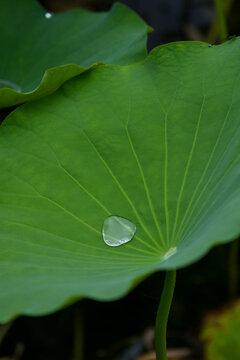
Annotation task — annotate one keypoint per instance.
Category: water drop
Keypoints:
(9, 84)
(170, 253)
(48, 15)
(117, 230)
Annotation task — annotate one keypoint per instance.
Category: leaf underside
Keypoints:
(156, 143)
(39, 54)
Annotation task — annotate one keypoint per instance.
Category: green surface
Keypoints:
(156, 143)
(31, 44)
(221, 334)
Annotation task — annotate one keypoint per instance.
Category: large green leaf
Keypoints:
(39, 54)
(156, 143)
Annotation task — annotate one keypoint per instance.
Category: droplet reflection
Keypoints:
(117, 230)
(48, 15)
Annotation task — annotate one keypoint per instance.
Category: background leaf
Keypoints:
(31, 44)
(156, 143)
(221, 334)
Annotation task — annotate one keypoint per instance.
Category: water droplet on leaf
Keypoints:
(117, 230)
(9, 84)
(48, 15)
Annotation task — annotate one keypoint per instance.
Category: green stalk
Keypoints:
(212, 35)
(78, 332)
(221, 19)
(162, 315)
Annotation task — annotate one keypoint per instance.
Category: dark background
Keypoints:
(172, 20)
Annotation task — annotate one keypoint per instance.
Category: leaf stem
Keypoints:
(212, 35)
(221, 20)
(162, 315)
(78, 331)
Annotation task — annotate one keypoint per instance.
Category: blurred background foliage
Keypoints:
(221, 333)
(123, 330)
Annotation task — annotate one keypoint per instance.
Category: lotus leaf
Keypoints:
(156, 143)
(39, 53)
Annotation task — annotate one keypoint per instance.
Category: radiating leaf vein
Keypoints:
(204, 173)
(123, 191)
(187, 167)
(144, 183)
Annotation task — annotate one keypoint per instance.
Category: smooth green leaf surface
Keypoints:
(156, 143)
(39, 54)
(221, 334)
